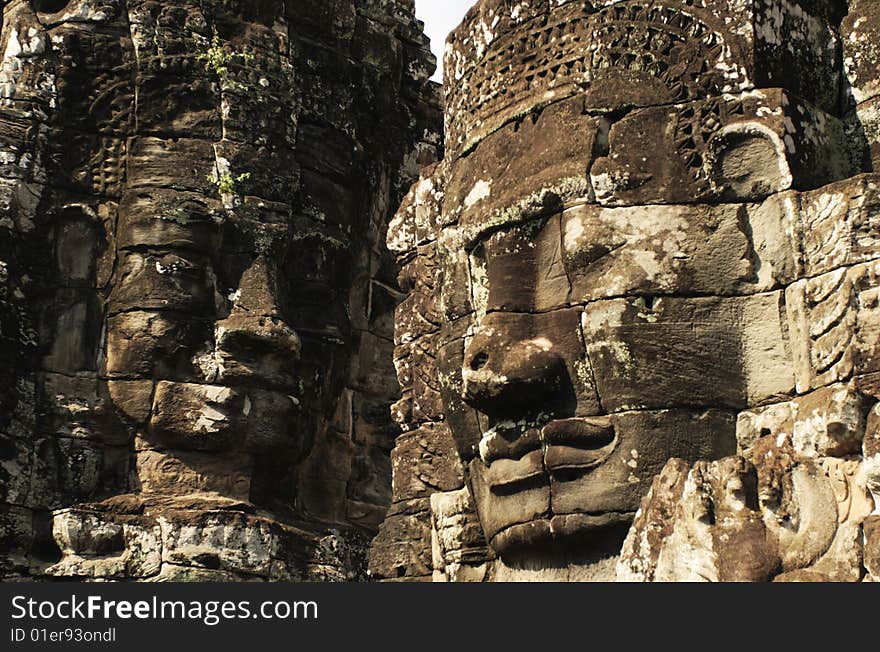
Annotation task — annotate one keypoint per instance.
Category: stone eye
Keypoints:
(49, 6)
(479, 361)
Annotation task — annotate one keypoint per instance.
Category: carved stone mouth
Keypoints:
(506, 475)
(522, 454)
(557, 527)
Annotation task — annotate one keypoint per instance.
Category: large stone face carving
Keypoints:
(647, 266)
(195, 306)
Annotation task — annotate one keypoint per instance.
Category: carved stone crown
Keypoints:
(509, 57)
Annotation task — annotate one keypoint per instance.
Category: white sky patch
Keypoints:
(441, 17)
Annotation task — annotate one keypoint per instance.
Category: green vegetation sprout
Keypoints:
(226, 183)
(217, 59)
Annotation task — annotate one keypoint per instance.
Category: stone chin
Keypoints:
(524, 474)
(216, 418)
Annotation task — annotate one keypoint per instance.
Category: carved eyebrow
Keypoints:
(472, 237)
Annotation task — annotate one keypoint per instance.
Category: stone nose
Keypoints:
(507, 374)
(256, 335)
(255, 326)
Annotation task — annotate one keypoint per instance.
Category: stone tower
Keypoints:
(195, 299)
(648, 263)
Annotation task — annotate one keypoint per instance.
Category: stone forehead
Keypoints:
(563, 156)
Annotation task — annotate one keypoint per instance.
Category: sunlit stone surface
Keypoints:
(640, 334)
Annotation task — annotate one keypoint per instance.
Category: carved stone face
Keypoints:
(584, 375)
(199, 198)
(216, 273)
(605, 268)
(213, 327)
(238, 222)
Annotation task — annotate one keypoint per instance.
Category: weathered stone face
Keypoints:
(554, 460)
(196, 302)
(652, 220)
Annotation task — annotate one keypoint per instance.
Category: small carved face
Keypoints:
(215, 240)
(209, 325)
(217, 299)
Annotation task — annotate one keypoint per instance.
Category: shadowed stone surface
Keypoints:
(639, 337)
(195, 297)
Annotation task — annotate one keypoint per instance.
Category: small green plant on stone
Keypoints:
(217, 59)
(176, 215)
(226, 183)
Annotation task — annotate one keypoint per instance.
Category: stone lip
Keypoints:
(562, 446)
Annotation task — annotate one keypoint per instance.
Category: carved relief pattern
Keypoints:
(668, 43)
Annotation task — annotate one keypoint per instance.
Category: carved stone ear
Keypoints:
(49, 6)
(417, 220)
(748, 161)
